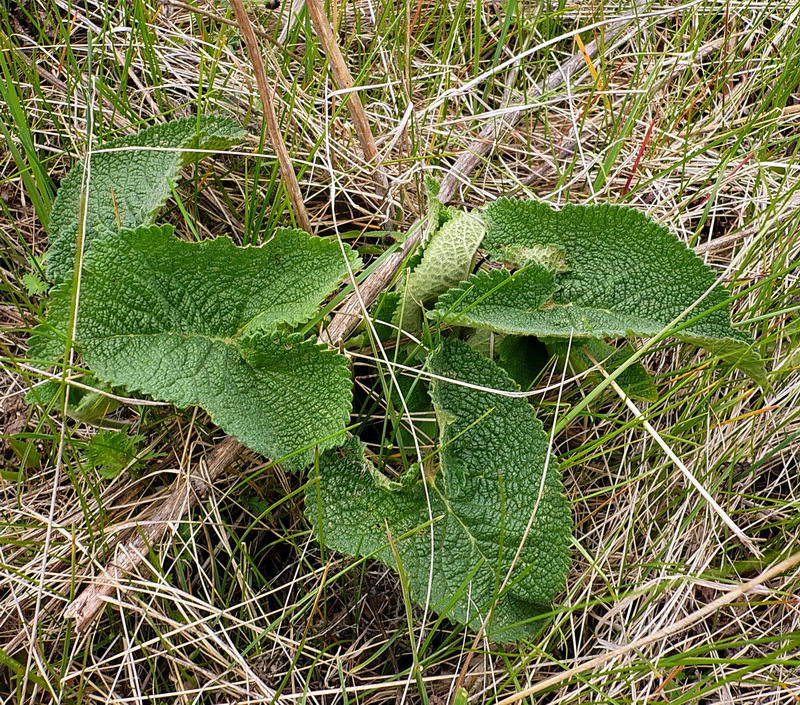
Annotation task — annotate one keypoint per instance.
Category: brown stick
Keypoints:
(679, 626)
(344, 81)
(721, 243)
(273, 130)
(216, 18)
(351, 311)
(185, 494)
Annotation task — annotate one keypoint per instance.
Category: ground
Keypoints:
(691, 114)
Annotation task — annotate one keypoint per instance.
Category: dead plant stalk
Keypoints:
(344, 81)
(271, 119)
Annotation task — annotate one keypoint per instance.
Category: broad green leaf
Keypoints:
(126, 188)
(617, 273)
(489, 497)
(206, 324)
(624, 273)
(634, 379)
(446, 260)
(499, 300)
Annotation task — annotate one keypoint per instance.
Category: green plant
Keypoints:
(479, 527)
(111, 452)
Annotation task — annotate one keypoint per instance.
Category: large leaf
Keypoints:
(616, 272)
(490, 497)
(126, 188)
(204, 324)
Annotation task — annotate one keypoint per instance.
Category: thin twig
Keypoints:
(675, 628)
(344, 81)
(273, 130)
(216, 18)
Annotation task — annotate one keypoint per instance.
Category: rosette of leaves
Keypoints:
(481, 528)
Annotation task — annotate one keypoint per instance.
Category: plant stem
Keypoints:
(344, 81)
(273, 130)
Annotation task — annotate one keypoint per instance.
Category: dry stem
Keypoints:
(273, 130)
(344, 81)
(185, 494)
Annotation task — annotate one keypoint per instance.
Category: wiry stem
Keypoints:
(344, 81)
(273, 130)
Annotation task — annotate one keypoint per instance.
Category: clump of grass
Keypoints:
(693, 119)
